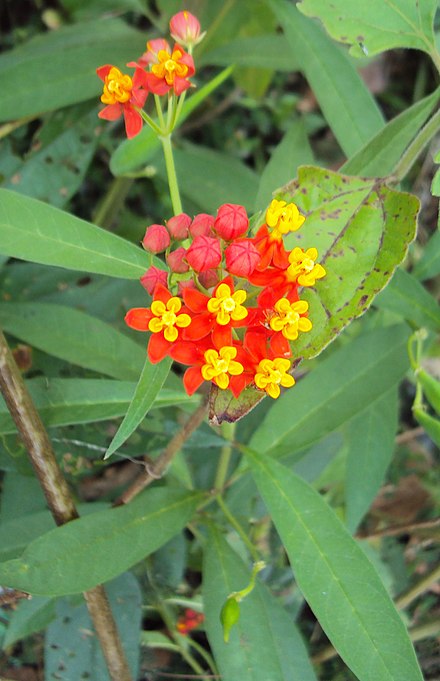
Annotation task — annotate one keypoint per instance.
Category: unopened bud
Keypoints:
(229, 616)
(178, 226)
(156, 239)
(231, 221)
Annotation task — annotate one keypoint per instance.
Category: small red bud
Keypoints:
(156, 239)
(185, 284)
(152, 277)
(204, 254)
(231, 222)
(242, 257)
(202, 225)
(185, 28)
(209, 278)
(176, 262)
(178, 226)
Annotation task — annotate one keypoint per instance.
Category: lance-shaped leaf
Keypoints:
(371, 27)
(33, 230)
(74, 336)
(65, 401)
(150, 383)
(96, 548)
(362, 230)
(340, 584)
(265, 643)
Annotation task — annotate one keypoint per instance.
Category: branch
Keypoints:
(59, 499)
(155, 470)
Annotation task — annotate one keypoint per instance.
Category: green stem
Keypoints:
(228, 430)
(238, 528)
(149, 121)
(416, 147)
(204, 654)
(158, 103)
(171, 173)
(112, 202)
(168, 618)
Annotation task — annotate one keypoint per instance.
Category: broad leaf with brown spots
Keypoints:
(362, 229)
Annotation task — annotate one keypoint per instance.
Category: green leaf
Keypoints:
(16, 534)
(262, 51)
(65, 401)
(55, 173)
(58, 68)
(29, 617)
(336, 578)
(33, 230)
(429, 264)
(379, 156)
(150, 382)
(75, 337)
(135, 153)
(58, 563)
(372, 27)
(346, 103)
(69, 654)
(337, 389)
(406, 296)
(265, 643)
(293, 150)
(429, 423)
(370, 440)
(361, 229)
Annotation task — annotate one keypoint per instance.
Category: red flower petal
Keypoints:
(195, 300)
(103, 71)
(111, 112)
(199, 328)
(158, 347)
(138, 318)
(133, 121)
(192, 379)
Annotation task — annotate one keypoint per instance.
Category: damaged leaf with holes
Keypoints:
(362, 229)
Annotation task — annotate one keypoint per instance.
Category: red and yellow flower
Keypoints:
(165, 319)
(124, 96)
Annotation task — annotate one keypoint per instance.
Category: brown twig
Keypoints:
(155, 470)
(401, 529)
(59, 499)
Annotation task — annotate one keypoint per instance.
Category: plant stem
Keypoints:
(58, 497)
(238, 528)
(159, 466)
(416, 147)
(420, 588)
(171, 173)
(112, 202)
(228, 430)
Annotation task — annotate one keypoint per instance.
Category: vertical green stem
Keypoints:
(171, 173)
(416, 147)
(228, 430)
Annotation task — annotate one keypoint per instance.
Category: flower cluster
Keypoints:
(162, 69)
(228, 305)
(190, 620)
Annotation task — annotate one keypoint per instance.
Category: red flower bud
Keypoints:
(231, 222)
(202, 225)
(185, 284)
(241, 257)
(156, 239)
(152, 277)
(176, 261)
(204, 253)
(185, 28)
(209, 278)
(178, 226)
